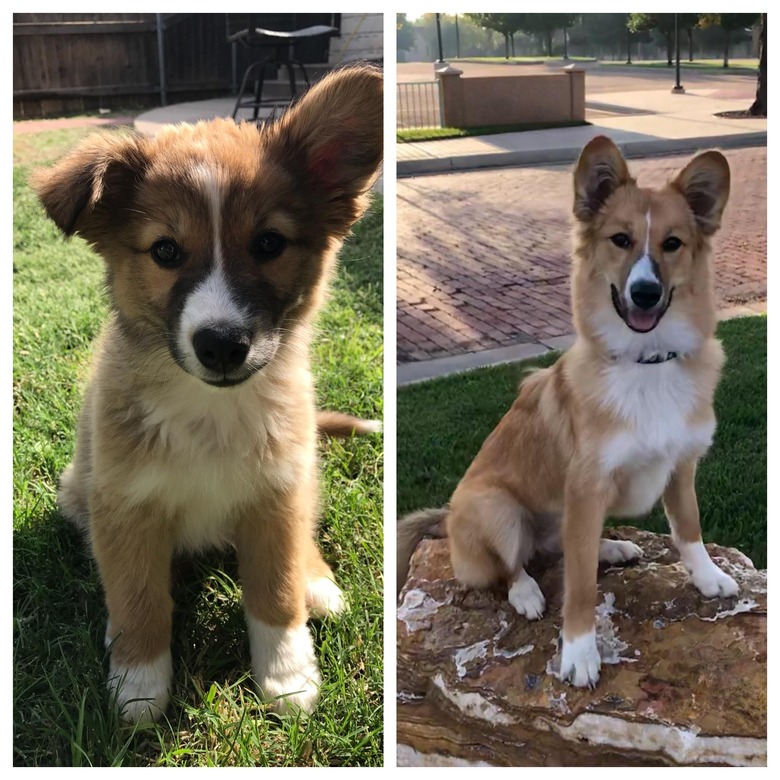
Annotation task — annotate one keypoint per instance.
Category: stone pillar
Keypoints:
(576, 92)
(450, 96)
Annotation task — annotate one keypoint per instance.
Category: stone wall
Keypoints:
(476, 101)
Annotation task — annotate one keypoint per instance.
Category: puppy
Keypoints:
(199, 426)
(619, 421)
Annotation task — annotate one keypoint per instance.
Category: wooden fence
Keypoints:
(66, 63)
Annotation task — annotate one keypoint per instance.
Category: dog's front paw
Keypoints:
(618, 551)
(527, 597)
(324, 597)
(710, 580)
(284, 666)
(713, 582)
(580, 660)
(142, 690)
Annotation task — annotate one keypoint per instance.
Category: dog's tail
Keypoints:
(345, 425)
(410, 531)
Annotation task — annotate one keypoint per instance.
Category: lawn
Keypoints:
(523, 60)
(442, 424)
(61, 710)
(438, 133)
(749, 65)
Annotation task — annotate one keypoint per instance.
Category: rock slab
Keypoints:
(683, 678)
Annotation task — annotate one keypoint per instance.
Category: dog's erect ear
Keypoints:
(90, 183)
(705, 184)
(600, 170)
(333, 138)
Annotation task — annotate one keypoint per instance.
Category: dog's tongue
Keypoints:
(642, 321)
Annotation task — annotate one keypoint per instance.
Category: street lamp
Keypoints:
(438, 36)
(678, 88)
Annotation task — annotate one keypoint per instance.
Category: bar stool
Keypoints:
(281, 43)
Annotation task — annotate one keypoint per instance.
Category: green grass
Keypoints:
(735, 66)
(61, 709)
(442, 424)
(438, 133)
(523, 60)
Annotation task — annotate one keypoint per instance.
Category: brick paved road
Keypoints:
(483, 257)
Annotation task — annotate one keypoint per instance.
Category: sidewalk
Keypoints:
(641, 123)
(484, 259)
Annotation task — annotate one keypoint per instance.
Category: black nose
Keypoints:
(645, 294)
(221, 349)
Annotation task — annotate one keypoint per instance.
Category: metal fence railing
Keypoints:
(418, 105)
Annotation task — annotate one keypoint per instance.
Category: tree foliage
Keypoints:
(404, 33)
(731, 24)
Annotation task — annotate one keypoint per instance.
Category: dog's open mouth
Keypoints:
(639, 320)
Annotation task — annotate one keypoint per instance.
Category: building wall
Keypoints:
(361, 39)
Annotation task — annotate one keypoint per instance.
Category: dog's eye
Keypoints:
(166, 253)
(621, 240)
(672, 244)
(268, 245)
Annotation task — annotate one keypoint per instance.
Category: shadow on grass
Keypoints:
(62, 711)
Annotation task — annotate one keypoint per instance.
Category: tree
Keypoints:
(759, 104)
(689, 22)
(600, 35)
(404, 33)
(506, 24)
(729, 23)
(474, 39)
(544, 26)
(663, 23)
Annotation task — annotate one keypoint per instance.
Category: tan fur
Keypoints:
(164, 462)
(542, 469)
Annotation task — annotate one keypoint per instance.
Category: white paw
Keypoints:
(324, 597)
(705, 575)
(526, 597)
(142, 691)
(713, 582)
(284, 666)
(580, 660)
(618, 551)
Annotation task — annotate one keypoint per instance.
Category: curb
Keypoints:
(568, 155)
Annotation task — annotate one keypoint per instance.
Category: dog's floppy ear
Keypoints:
(705, 184)
(332, 137)
(600, 170)
(86, 187)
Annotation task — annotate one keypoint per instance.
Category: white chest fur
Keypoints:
(212, 452)
(655, 403)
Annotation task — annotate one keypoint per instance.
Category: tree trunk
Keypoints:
(726, 49)
(690, 44)
(512, 38)
(506, 44)
(669, 48)
(549, 43)
(565, 44)
(759, 105)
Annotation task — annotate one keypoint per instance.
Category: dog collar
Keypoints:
(652, 359)
(658, 357)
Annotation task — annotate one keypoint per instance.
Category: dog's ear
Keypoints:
(705, 184)
(600, 170)
(86, 187)
(332, 139)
